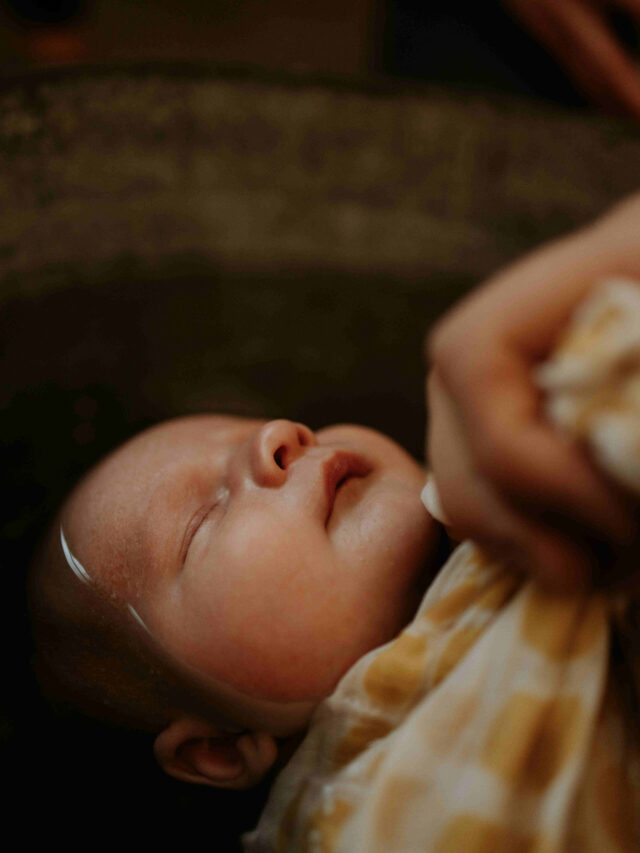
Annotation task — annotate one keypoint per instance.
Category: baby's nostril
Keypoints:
(279, 457)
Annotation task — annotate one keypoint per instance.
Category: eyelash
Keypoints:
(198, 520)
(195, 525)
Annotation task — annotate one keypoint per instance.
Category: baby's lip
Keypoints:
(339, 467)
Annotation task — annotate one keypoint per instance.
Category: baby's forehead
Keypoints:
(192, 430)
(104, 516)
(168, 441)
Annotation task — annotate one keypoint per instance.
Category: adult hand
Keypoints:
(505, 478)
(579, 36)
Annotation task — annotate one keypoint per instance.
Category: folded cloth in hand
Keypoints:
(501, 719)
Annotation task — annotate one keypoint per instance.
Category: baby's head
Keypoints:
(221, 574)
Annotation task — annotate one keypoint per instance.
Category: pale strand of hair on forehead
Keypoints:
(83, 575)
(85, 578)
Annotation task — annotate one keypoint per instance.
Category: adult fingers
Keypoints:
(578, 35)
(513, 448)
(584, 44)
(478, 511)
(630, 6)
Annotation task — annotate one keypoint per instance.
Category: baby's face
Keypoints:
(260, 554)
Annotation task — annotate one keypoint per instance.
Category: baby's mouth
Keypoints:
(338, 470)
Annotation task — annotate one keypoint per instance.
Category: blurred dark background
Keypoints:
(252, 207)
(467, 44)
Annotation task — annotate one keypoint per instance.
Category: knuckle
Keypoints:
(468, 517)
(451, 356)
(493, 459)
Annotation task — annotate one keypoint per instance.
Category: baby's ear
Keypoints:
(196, 751)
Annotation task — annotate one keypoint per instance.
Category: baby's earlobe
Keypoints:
(196, 751)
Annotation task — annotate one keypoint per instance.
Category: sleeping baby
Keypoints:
(212, 580)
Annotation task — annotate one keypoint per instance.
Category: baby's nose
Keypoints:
(275, 446)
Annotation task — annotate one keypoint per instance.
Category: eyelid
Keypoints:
(197, 520)
(192, 529)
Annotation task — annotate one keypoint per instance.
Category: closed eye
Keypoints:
(192, 528)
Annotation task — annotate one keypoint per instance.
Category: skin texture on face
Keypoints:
(265, 556)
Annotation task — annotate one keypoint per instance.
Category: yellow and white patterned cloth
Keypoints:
(499, 720)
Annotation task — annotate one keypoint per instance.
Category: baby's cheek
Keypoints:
(267, 615)
(391, 533)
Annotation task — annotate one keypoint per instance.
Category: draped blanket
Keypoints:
(502, 718)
